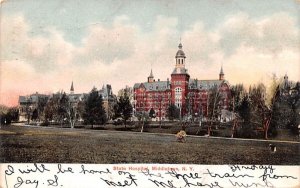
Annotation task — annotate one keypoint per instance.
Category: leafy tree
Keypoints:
(51, 108)
(14, 113)
(244, 111)
(34, 115)
(94, 111)
(62, 111)
(173, 112)
(287, 109)
(8, 114)
(123, 108)
(42, 102)
(143, 118)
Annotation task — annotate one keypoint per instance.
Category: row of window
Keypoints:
(177, 82)
(178, 94)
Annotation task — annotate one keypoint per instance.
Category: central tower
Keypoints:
(180, 81)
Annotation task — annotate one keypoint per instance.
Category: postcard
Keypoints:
(149, 93)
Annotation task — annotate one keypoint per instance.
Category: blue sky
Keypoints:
(73, 16)
(51, 43)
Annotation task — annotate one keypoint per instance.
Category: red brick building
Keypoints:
(189, 95)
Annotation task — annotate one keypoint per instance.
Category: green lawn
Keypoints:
(53, 145)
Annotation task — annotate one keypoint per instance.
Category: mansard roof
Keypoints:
(33, 98)
(22, 99)
(154, 86)
(205, 84)
(180, 70)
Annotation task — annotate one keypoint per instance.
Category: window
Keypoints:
(178, 96)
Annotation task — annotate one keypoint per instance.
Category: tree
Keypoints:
(287, 108)
(259, 109)
(144, 118)
(8, 114)
(94, 111)
(237, 95)
(42, 102)
(262, 109)
(173, 112)
(34, 115)
(238, 105)
(214, 109)
(244, 112)
(124, 108)
(51, 108)
(62, 111)
(80, 109)
(152, 113)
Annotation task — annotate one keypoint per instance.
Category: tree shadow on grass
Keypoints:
(124, 129)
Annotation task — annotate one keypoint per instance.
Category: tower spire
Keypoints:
(150, 77)
(221, 75)
(72, 88)
(151, 74)
(221, 71)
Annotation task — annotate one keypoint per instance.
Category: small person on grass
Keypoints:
(181, 136)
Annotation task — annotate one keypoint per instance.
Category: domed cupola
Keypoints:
(180, 52)
(180, 57)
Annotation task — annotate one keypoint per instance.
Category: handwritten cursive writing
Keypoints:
(20, 182)
(59, 176)
(124, 183)
(146, 172)
(226, 175)
(62, 170)
(36, 168)
(91, 171)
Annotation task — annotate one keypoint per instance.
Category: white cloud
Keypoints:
(121, 54)
(44, 53)
(271, 34)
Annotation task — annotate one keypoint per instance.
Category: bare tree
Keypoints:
(263, 110)
(213, 107)
(238, 97)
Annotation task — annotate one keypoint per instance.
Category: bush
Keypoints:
(44, 124)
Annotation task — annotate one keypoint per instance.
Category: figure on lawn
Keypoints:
(181, 136)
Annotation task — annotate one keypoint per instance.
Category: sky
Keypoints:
(47, 44)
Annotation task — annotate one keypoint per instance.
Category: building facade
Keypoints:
(189, 95)
(27, 104)
(109, 100)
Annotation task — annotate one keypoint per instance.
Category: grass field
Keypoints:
(58, 145)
